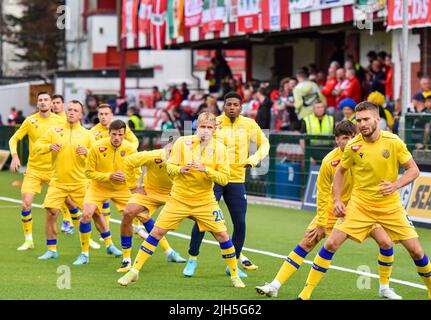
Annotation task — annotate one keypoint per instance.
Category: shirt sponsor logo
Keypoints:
(189, 142)
(335, 163)
(58, 130)
(157, 161)
(32, 121)
(356, 148)
(386, 153)
(122, 153)
(97, 133)
(218, 123)
(103, 149)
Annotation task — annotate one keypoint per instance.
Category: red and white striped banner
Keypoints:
(129, 27)
(145, 11)
(248, 16)
(192, 13)
(158, 24)
(275, 15)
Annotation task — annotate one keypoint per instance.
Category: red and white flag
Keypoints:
(129, 27)
(214, 15)
(275, 15)
(248, 16)
(145, 11)
(419, 13)
(158, 24)
(192, 13)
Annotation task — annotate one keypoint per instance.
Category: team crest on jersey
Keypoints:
(335, 163)
(386, 153)
(103, 149)
(58, 130)
(158, 161)
(218, 123)
(33, 121)
(356, 148)
(122, 153)
(189, 142)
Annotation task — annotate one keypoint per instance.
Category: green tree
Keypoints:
(37, 33)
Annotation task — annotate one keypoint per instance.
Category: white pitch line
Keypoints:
(266, 253)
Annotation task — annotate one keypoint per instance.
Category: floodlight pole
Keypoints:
(121, 45)
(405, 74)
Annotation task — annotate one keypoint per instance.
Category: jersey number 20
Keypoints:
(218, 216)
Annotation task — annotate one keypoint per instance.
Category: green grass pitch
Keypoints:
(272, 229)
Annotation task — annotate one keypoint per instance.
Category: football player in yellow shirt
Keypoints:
(58, 109)
(146, 200)
(374, 157)
(68, 147)
(39, 167)
(105, 169)
(235, 132)
(325, 221)
(196, 162)
(101, 131)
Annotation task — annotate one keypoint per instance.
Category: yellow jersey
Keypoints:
(105, 159)
(373, 162)
(325, 194)
(100, 132)
(68, 167)
(156, 178)
(236, 137)
(35, 126)
(196, 187)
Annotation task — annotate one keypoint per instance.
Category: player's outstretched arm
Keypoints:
(13, 145)
(324, 183)
(132, 167)
(263, 145)
(173, 166)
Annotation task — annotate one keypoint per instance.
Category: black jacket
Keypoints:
(263, 117)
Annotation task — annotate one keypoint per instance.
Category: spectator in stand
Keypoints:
(341, 85)
(286, 115)
(240, 86)
(19, 117)
(318, 123)
(371, 56)
(184, 91)
(386, 118)
(11, 117)
(397, 115)
(353, 89)
(359, 70)
(156, 96)
(176, 112)
(263, 116)
(250, 105)
(211, 102)
(347, 107)
(135, 121)
(175, 98)
(91, 119)
(320, 79)
(418, 100)
(331, 81)
(222, 71)
(427, 127)
(1, 120)
(166, 121)
(377, 78)
(389, 83)
(122, 106)
(427, 96)
(381, 56)
(210, 76)
(305, 93)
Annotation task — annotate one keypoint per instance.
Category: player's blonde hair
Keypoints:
(104, 106)
(206, 116)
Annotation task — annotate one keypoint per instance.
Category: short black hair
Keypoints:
(345, 128)
(232, 94)
(117, 125)
(43, 92)
(58, 96)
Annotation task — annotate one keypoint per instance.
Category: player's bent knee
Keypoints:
(221, 236)
(158, 233)
(86, 218)
(128, 217)
(385, 243)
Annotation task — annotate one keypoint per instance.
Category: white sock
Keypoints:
(276, 284)
(142, 233)
(134, 270)
(169, 251)
(28, 237)
(127, 260)
(85, 254)
(384, 286)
